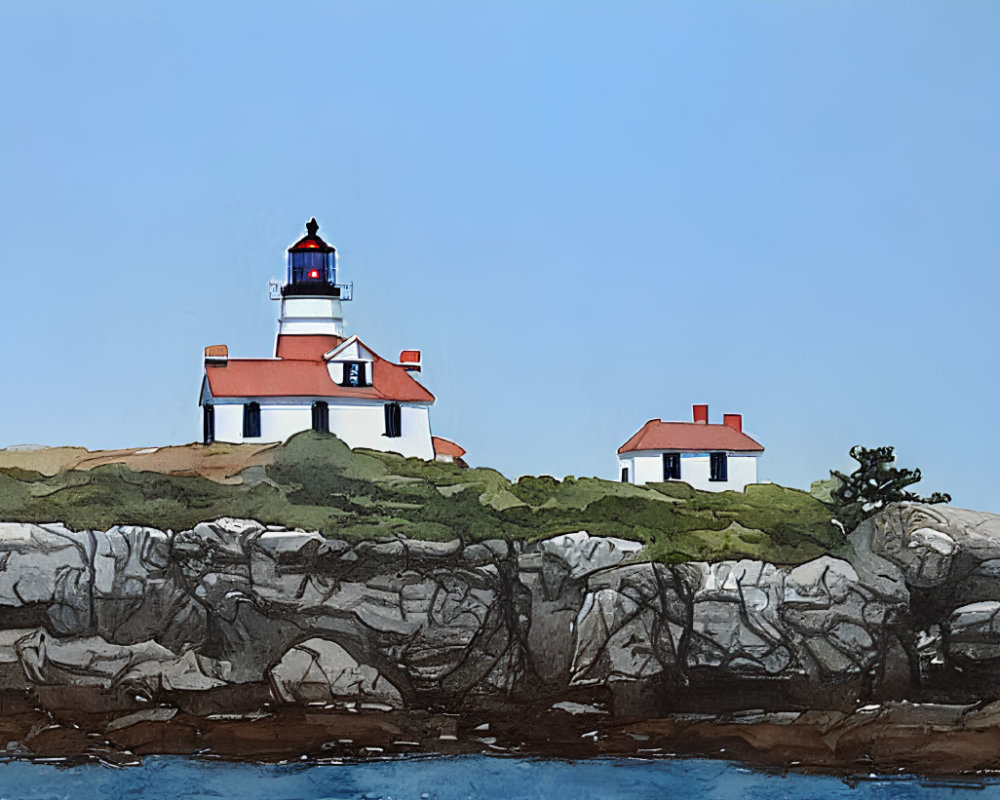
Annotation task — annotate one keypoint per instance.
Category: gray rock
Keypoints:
(321, 670)
(47, 565)
(743, 618)
(975, 631)
(582, 553)
(232, 601)
(933, 544)
(83, 661)
(12, 675)
(143, 715)
(184, 674)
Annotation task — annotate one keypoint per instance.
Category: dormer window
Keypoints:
(355, 374)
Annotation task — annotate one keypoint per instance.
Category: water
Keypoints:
(452, 779)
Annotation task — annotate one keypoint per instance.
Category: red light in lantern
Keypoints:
(314, 273)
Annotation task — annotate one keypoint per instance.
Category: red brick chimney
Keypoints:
(410, 359)
(700, 413)
(216, 355)
(733, 421)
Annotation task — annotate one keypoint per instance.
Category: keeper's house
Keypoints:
(709, 457)
(319, 379)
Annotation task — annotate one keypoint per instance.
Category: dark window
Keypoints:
(355, 374)
(671, 466)
(718, 467)
(306, 267)
(624, 474)
(393, 421)
(251, 420)
(321, 417)
(208, 423)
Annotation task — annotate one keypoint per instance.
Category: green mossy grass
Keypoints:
(316, 482)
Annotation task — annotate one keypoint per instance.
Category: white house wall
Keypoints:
(646, 466)
(229, 423)
(743, 470)
(358, 424)
(364, 426)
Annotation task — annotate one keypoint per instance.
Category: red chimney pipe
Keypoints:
(733, 421)
(700, 413)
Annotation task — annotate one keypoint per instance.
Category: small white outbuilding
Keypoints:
(713, 458)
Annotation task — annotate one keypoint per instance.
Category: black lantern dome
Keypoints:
(312, 266)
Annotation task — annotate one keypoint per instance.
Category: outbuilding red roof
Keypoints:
(446, 447)
(690, 436)
(309, 377)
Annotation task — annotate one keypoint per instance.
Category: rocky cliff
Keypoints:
(237, 620)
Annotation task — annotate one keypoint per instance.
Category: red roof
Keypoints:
(446, 447)
(305, 346)
(691, 436)
(294, 377)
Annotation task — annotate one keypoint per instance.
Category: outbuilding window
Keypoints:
(393, 420)
(624, 474)
(208, 423)
(251, 420)
(718, 468)
(321, 417)
(671, 466)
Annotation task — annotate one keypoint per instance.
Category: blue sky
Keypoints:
(585, 214)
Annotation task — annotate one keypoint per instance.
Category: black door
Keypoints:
(208, 423)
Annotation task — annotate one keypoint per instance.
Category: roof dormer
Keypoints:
(351, 364)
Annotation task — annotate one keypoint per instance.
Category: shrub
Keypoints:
(873, 485)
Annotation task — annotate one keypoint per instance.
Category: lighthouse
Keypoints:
(318, 379)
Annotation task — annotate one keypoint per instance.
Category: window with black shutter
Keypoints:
(208, 423)
(251, 420)
(718, 467)
(671, 466)
(321, 417)
(355, 374)
(624, 474)
(393, 420)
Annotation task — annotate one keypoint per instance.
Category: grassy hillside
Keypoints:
(317, 483)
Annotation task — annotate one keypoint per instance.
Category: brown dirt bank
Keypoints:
(219, 462)
(78, 725)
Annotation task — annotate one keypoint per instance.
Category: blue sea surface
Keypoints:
(457, 778)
